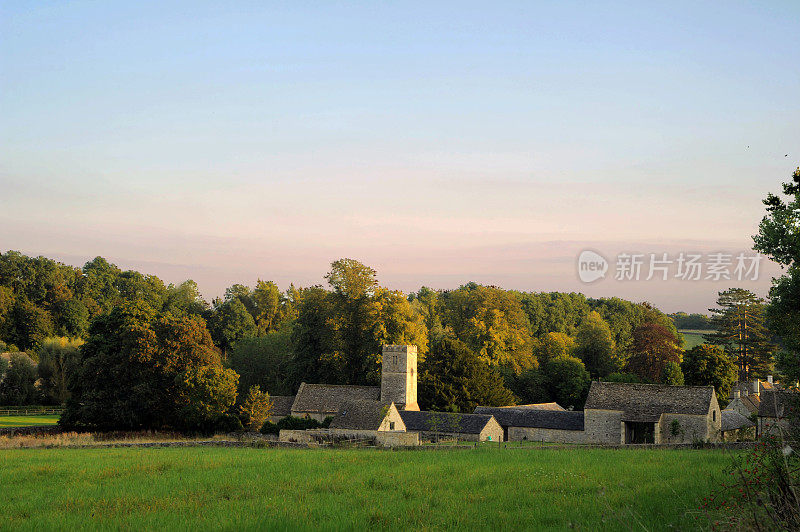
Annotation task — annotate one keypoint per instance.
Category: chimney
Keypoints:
(737, 394)
(769, 379)
(755, 386)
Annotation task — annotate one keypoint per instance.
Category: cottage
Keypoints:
(745, 404)
(623, 413)
(774, 412)
(470, 427)
(736, 427)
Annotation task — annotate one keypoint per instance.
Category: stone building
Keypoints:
(469, 427)
(281, 407)
(777, 411)
(624, 413)
(537, 424)
(744, 404)
(736, 427)
(398, 386)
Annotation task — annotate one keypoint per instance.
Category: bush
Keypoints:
(294, 423)
(229, 423)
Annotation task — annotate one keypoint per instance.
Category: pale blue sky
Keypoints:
(439, 143)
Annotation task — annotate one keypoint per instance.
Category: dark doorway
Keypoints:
(636, 432)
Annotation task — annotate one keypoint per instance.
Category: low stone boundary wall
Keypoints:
(27, 431)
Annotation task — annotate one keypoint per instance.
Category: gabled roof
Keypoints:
(733, 420)
(281, 405)
(534, 418)
(363, 414)
(646, 402)
(750, 402)
(445, 422)
(329, 398)
(777, 403)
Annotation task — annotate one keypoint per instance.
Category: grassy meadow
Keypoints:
(693, 337)
(27, 421)
(250, 488)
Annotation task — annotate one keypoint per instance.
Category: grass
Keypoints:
(280, 489)
(693, 337)
(27, 421)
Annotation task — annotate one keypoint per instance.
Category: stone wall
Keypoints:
(690, 429)
(392, 421)
(548, 435)
(603, 426)
(398, 439)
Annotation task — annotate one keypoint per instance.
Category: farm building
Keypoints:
(775, 410)
(623, 413)
(746, 405)
(534, 424)
(281, 407)
(470, 427)
(320, 401)
(736, 427)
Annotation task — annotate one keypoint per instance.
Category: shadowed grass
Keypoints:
(354, 489)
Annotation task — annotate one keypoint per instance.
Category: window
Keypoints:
(714, 415)
(394, 360)
(391, 425)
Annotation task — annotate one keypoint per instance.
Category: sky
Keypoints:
(438, 142)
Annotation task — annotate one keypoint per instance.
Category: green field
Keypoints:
(693, 337)
(27, 421)
(249, 488)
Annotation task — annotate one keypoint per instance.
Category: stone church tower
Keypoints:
(399, 376)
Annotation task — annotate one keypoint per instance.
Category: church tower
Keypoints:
(399, 376)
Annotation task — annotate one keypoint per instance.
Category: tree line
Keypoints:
(102, 338)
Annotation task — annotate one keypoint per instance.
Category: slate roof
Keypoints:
(646, 402)
(534, 418)
(750, 402)
(445, 422)
(733, 420)
(362, 414)
(776, 403)
(535, 406)
(329, 398)
(281, 405)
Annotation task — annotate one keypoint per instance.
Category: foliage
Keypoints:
(567, 381)
(762, 488)
(204, 395)
(622, 377)
(672, 374)
(553, 345)
(693, 321)
(19, 384)
(788, 363)
(256, 407)
(706, 365)
(653, 347)
(740, 330)
(265, 361)
(139, 371)
(58, 361)
(492, 323)
(232, 322)
(596, 346)
(338, 335)
(294, 423)
(454, 378)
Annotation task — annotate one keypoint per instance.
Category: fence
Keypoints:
(30, 410)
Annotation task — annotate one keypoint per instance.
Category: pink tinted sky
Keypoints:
(440, 143)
